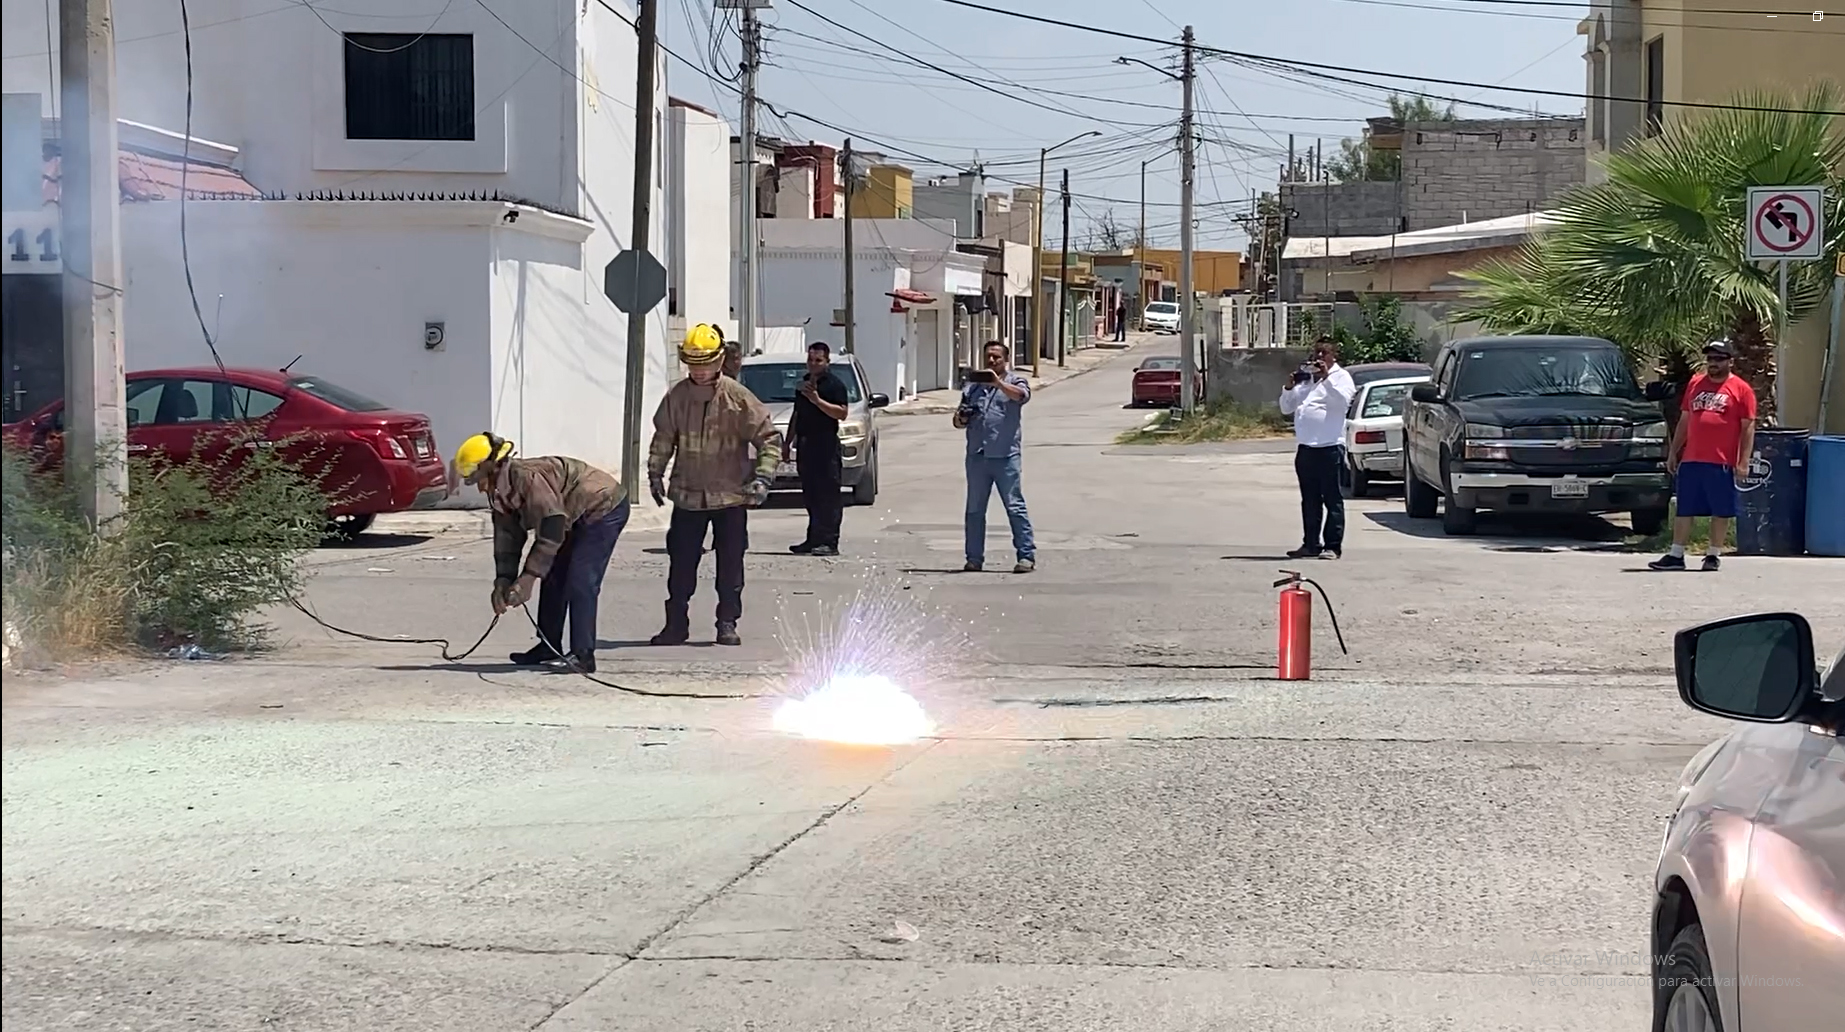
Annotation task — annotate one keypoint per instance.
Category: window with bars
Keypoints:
(402, 86)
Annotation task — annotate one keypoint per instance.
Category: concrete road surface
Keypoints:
(1122, 823)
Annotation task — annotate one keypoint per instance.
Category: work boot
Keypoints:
(678, 629)
(804, 548)
(574, 662)
(1303, 552)
(537, 655)
(823, 551)
(973, 566)
(727, 633)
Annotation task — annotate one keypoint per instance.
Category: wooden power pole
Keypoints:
(851, 317)
(89, 203)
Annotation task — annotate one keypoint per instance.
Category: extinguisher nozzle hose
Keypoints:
(1329, 612)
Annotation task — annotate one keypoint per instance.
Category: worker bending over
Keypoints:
(574, 514)
(705, 428)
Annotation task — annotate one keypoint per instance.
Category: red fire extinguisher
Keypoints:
(1294, 616)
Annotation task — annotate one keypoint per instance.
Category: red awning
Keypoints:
(911, 297)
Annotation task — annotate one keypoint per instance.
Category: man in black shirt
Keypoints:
(813, 434)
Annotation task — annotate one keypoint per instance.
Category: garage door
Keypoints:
(928, 351)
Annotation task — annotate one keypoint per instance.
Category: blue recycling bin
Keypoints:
(1826, 496)
(1773, 516)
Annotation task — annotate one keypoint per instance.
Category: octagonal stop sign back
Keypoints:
(635, 281)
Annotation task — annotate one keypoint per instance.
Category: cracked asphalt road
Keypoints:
(1123, 823)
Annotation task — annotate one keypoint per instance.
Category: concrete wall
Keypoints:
(957, 199)
(803, 286)
(698, 234)
(268, 79)
(1342, 209)
(1250, 376)
(1466, 171)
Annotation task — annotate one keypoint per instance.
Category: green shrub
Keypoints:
(197, 553)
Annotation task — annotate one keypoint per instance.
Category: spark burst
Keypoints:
(856, 661)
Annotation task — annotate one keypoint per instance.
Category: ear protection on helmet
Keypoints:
(499, 448)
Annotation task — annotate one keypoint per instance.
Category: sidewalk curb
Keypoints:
(477, 525)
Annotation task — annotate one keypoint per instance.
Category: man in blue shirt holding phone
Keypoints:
(991, 410)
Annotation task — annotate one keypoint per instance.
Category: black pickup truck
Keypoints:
(1534, 424)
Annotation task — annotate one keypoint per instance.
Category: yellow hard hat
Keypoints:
(478, 449)
(703, 345)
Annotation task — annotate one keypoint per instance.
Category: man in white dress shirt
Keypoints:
(1318, 397)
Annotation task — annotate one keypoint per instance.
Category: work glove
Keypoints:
(520, 592)
(657, 487)
(500, 589)
(756, 491)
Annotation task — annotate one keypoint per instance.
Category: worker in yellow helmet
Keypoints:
(574, 514)
(705, 429)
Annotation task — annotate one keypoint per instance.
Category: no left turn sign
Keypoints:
(1786, 222)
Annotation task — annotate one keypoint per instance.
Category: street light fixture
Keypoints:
(1187, 229)
(1147, 64)
(1037, 255)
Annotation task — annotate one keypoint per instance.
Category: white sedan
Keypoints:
(1374, 432)
(1161, 317)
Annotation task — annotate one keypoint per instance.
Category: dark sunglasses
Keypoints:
(1718, 358)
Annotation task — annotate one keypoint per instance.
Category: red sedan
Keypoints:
(1156, 383)
(370, 458)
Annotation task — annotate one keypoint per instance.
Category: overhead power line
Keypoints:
(1777, 25)
(1322, 70)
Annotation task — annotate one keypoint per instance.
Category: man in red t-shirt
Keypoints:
(1710, 453)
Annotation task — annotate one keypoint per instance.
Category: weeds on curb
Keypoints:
(197, 553)
(1221, 421)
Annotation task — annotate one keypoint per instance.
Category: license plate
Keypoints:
(1569, 489)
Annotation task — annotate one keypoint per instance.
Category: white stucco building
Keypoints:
(908, 276)
(465, 176)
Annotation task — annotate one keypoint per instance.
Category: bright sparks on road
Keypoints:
(855, 711)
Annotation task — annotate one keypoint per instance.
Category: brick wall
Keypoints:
(1487, 168)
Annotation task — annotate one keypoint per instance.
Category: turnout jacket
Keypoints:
(544, 497)
(706, 432)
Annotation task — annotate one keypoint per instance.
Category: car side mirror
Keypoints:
(879, 400)
(1425, 393)
(1755, 668)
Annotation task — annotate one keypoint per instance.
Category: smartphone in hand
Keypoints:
(981, 376)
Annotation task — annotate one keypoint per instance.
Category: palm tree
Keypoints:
(1654, 256)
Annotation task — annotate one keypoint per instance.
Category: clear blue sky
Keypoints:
(822, 70)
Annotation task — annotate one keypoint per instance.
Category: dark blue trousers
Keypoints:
(574, 585)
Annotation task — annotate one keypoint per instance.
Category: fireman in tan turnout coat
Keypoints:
(705, 429)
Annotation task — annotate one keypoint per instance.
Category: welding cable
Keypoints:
(495, 622)
(570, 664)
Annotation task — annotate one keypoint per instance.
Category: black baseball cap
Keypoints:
(1719, 347)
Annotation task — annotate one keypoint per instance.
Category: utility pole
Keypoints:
(1063, 272)
(851, 316)
(1188, 324)
(746, 206)
(635, 382)
(1037, 267)
(90, 206)
(1140, 246)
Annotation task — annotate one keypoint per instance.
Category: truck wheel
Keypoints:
(1418, 497)
(1648, 522)
(865, 492)
(1456, 520)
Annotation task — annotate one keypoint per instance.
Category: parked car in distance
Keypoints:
(1748, 930)
(1161, 317)
(1156, 383)
(369, 458)
(776, 378)
(1374, 433)
(1533, 424)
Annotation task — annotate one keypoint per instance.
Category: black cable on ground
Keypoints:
(570, 665)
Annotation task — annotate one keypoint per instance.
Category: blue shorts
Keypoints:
(1706, 489)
